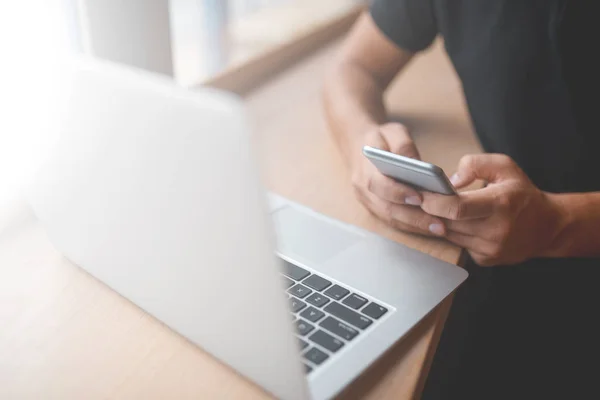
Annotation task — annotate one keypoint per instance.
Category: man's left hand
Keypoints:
(508, 221)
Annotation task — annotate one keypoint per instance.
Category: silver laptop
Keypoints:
(153, 190)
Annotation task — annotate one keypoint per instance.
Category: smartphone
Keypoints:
(417, 174)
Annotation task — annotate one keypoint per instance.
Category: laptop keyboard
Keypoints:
(326, 315)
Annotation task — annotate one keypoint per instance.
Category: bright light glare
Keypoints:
(34, 42)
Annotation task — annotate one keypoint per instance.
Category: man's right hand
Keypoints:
(392, 202)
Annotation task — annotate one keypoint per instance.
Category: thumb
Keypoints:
(398, 139)
(489, 167)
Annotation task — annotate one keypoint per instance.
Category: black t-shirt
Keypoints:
(530, 74)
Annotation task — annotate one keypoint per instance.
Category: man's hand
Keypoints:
(507, 222)
(390, 201)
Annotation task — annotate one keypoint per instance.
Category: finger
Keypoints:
(490, 229)
(467, 205)
(388, 189)
(415, 218)
(375, 139)
(471, 243)
(460, 182)
(490, 167)
(482, 259)
(399, 140)
(470, 227)
(402, 217)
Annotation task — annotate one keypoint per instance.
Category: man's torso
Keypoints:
(526, 69)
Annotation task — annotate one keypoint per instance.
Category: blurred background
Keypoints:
(196, 42)
(191, 39)
(210, 36)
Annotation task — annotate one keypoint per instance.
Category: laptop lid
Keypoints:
(152, 189)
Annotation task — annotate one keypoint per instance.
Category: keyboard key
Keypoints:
(307, 368)
(294, 271)
(374, 310)
(303, 344)
(337, 292)
(296, 305)
(288, 282)
(300, 291)
(327, 341)
(312, 314)
(348, 315)
(355, 301)
(303, 328)
(317, 283)
(317, 300)
(339, 328)
(316, 356)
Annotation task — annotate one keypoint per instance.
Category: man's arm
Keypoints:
(579, 235)
(353, 96)
(353, 91)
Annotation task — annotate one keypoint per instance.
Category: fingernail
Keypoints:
(437, 229)
(454, 179)
(413, 200)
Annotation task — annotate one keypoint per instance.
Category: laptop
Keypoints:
(154, 190)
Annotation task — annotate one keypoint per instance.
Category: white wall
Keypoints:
(133, 32)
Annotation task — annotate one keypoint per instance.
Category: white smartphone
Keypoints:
(417, 174)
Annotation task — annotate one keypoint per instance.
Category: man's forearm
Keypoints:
(353, 105)
(579, 234)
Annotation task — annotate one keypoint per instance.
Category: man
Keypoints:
(524, 328)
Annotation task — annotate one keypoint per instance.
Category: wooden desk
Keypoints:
(63, 335)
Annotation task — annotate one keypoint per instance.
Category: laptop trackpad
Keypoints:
(309, 238)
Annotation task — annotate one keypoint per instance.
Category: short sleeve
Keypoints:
(410, 24)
